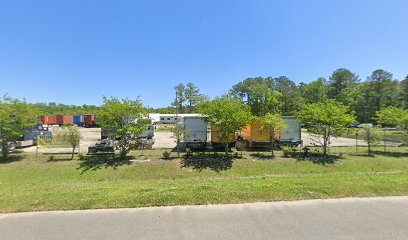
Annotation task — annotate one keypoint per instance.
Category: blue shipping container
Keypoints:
(78, 119)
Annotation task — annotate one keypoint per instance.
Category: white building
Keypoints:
(170, 118)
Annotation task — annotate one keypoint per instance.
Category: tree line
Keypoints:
(281, 95)
(53, 108)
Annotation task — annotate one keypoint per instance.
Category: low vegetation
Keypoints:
(30, 183)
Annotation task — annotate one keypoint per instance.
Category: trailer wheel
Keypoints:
(11, 146)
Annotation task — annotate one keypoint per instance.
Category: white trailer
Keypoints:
(195, 132)
(291, 135)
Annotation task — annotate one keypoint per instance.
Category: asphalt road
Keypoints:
(377, 218)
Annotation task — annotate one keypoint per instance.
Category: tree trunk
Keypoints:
(226, 148)
(272, 133)
(4, 151)
(325, 142)
(178, 146)
(73, 152)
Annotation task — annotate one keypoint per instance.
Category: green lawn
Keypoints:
(29, 183)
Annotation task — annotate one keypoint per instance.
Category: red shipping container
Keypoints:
(42, 119)
(51, 120)
(89, 120)
(65, 119)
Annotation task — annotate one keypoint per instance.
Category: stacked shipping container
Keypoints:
(80, 120)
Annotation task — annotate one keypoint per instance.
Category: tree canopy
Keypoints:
(125, 118)
(326, 119)
(228, 114)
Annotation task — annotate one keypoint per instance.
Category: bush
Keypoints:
(81, 156)
(306, 150)
(286, 151)
(188, 154)
(166, 155)
(294, 150)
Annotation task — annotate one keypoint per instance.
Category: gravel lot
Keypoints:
(89, 137)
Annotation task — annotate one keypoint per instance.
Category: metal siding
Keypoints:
(196, 129)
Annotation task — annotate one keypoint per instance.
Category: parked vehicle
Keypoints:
(29, 138)
(195, 136)
(354, 125)
(146, 139)
(255, 136)
(105, 145)
(369, 125)
(215, 138)
(292, 134)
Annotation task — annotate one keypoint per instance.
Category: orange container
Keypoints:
(256, 133)
(50, 120)
(65, 119)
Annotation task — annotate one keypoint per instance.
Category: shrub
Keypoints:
(294, 150)
(188, 154)
(306, 150)
(166, 155)
(286, 151)
(81, 156)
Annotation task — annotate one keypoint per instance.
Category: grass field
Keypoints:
(30, 183)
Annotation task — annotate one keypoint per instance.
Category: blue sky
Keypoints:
(75, 52)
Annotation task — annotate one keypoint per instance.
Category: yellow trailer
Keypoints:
(215, 138)
(254, 135)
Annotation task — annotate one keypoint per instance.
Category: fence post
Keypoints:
(385, 141)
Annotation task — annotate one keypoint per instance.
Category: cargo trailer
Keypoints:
(216, 141)
(291, 135)
(195, 136)
(254, 136)
(30, 137)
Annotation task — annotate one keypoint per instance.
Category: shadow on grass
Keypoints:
(262, 156)
(203, 161)
(170, 158)
(99, 161)
(390, 154)
(58, 157)
(12, 157)
(319, 158)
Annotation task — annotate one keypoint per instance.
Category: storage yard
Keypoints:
(164, 140)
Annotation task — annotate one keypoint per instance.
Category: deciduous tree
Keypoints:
(72, 136)
(275, 124)
(126, 119)
(326, 119)
(15, 116)
(228, 114)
